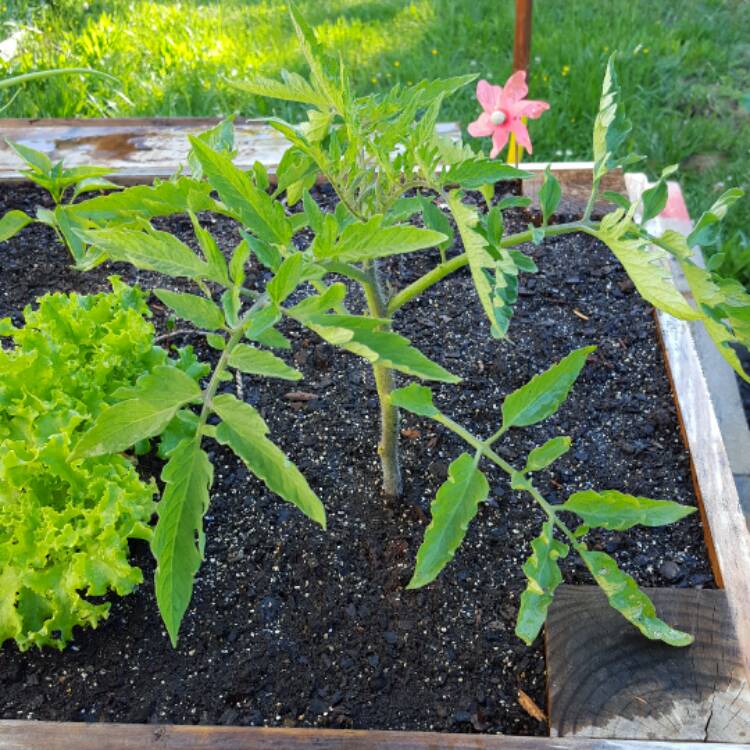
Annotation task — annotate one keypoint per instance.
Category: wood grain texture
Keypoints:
(138, 149)
(32, 735)
(606, 680)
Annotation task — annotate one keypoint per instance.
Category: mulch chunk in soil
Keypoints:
(293, 626)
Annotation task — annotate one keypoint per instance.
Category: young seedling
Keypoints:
(457, 502)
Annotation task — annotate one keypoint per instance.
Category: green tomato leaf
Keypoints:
(178, 540)
(244, 431)
(542, 456)
(154, 402)
(12, 223)
(217, 263)
(293, 88)
(707, 228)
(544, 393)
(257, 210)
(259, 362)
(475, 172)
(610, 509)
(654, 199)
(201, 312)
(416, 399)
(494, 275)
(286, 279)
(368, 240)
(647, 265)
(549, 195)
(151, 250)
(359, 335)
(544, 576)
(453, 509)
(437, 221)
(625, 596)
(146, 202)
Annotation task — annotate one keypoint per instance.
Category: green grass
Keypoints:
(684, 66)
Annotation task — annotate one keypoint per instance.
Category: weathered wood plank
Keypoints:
(32, 735)
(606, 680)
(138, 150)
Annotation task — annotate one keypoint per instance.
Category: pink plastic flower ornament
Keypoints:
(504, 106)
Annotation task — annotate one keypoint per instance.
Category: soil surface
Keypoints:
(293, 626)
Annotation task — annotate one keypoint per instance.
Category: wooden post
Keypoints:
(521, 52)
(522, 39)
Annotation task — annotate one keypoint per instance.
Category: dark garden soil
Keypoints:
(293, 626)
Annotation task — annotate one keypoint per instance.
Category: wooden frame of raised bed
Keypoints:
(644, 685)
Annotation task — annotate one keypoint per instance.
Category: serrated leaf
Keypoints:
(146, 202)
(625, 596)
(543, 455)
(244, 431)
(286, 279)
(489, 282)
(369, 240)
(543, 574)
(549, 195)
(154, 402)
(37, 160)
(416, 399)
(453, 509)
(513, 201)
(216, 341)
(313, 212)
(294, 88)
(646, 265)
(318, 304)
(219, 138)
(257, 210)
(611, 128)
(473, 173)
(654, 199)
(360, 336)
(255, 361)
(201, 312)
(617, 511)
(178, 540)
(437, 221)
(151, 250)
(12, 223)
(402, 209)
(544, 393)
(217, 263)
(706, 229)
(94, 184)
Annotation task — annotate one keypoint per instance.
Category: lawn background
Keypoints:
(684, 66)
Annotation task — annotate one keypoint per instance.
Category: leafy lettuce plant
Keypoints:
(458, 499)
(65, 523)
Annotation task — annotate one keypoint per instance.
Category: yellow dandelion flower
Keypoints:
(434, 51)
(565, 70)
(396, 64)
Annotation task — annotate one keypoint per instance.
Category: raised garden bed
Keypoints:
(293, 627)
